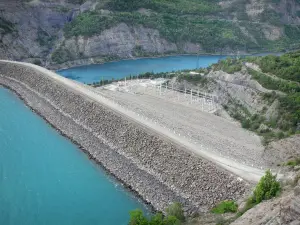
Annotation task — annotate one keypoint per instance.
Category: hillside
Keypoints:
(261, 93)
(74, 32)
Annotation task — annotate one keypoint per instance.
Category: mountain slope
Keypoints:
(72, 32)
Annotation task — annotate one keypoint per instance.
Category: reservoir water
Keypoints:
(46, 180)
(120, 69)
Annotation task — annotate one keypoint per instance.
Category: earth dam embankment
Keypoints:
(157, 169)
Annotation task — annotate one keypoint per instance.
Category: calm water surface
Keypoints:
(120, 69)
(46, 180)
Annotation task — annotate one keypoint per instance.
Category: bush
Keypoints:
(137, 218)
(37, 62)
(294, 162)
(267, 188)
(61, 55)
(228, 65)
(225, 206)
(246, 124)
(176, 210)
(174, 217)
(6, 26)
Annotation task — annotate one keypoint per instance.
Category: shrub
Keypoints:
(137, 218)
(176, 210)
(225, 206)
(294, 162)
(6, 26)
(61, 55)
(37, 62)
(174, 217)
(246, 124)
(267, 188)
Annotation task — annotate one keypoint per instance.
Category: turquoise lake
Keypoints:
(46, 180)
(94, 73)
(120, 69)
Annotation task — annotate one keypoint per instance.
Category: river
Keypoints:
(46, 180)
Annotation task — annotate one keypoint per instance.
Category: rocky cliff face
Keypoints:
(33, 30)
(29, 30)
(119, 42)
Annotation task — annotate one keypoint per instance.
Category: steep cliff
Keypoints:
(28, 30)
(62, 33)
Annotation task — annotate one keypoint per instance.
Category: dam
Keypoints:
(153, 165)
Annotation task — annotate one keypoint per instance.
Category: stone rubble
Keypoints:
(156, 169)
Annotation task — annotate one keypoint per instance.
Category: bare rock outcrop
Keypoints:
(284, 210)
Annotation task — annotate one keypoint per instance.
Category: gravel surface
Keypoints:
(211, 132)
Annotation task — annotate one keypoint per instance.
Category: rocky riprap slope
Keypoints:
(156, 169)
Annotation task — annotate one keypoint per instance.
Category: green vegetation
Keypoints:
(44, 39)
(61, 55)
(176, 211)
(37, 62)
(294, 162)
(148, 75)
(267, 188)
(174, 216)
(76, 1)
(88, 24)
(186, 20)
(225, 207)
(272, 83)
(229, 65)
(281, 74)
(285, 77)
(286, 66)
(178, 7)
(213, 35)
(6, 26)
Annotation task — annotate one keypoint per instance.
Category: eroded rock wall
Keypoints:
(155, 168)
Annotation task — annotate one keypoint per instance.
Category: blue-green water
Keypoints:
(120, 69)
(46, 180)
(107, 71)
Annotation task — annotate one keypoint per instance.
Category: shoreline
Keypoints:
(137, 58)
(83, 150)
(148, 57)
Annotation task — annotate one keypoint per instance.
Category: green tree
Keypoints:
(137, 218)
(157, 219)
(174, 217)
(267, 188)
(171, 220)
(176, 210)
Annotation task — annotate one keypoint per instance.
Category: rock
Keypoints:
(123, 147)
(242, 206)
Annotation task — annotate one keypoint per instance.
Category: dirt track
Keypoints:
(221, 130)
